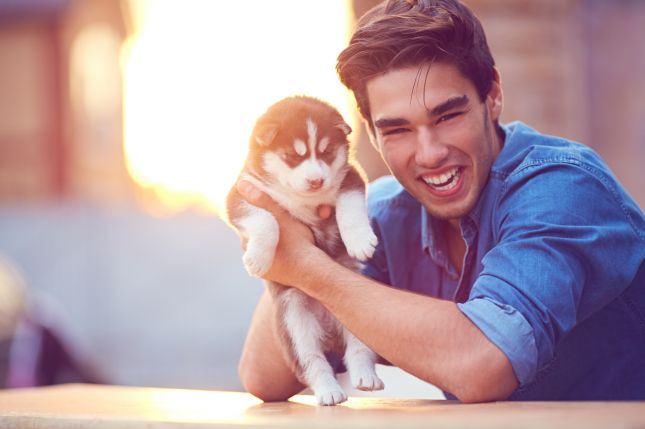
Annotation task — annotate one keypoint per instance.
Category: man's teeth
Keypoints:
(445, 181)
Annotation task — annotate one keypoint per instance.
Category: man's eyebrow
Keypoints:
(449, 104)
(390, 122)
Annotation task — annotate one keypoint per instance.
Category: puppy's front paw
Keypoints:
(366, 380)
(257, 260)
(360, 243)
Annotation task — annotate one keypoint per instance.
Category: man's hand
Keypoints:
(296, 248)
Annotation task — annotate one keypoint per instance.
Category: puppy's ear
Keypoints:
(346, 129)
(265, 133)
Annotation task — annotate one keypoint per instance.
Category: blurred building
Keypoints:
(60, 100)
(575, 68)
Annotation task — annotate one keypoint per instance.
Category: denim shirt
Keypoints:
(553, 272)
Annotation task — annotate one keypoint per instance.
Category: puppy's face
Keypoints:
(305, 154)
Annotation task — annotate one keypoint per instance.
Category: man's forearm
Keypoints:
(427, 337)
(263, 370)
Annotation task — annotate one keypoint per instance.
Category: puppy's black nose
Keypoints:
(315, 184)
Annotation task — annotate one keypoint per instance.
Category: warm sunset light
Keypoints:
(199, 406)
(197, 74)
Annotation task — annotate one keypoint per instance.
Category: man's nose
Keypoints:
(430, 151)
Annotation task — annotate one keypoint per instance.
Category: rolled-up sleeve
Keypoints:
(567, 247)
(505, 327)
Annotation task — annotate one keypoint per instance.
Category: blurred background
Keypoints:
(123, 123)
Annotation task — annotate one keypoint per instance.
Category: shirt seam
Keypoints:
(596, 173)
(633, 308)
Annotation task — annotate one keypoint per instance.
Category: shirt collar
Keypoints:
(475, 214)
(429, 227)
(431, 237)
(431, 242)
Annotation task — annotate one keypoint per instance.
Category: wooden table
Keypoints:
(90, 406)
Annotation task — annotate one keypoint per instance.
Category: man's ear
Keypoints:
(265, 133)
(495, 99)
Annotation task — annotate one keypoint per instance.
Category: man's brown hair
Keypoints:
(402, 33)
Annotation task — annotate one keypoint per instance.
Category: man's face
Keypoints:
(435, 135)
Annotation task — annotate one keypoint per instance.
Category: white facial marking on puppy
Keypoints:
(312, 130)
(314, 168)
(276, 167)
(300, 147)
(295, 180)
(322, 146)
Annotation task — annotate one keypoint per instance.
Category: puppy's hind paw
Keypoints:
(331, 397)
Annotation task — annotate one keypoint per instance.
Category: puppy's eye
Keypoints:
(328, 154)
(291, 156)
(323, 145)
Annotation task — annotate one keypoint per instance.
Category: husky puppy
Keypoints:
(299, 155)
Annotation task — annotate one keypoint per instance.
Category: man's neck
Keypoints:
(455, 243)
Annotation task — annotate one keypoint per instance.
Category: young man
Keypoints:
(509, 265)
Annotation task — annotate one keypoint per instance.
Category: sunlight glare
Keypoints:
(198, 73)
(178, 405)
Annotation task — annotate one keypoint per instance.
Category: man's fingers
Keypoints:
(248, 191)
(256, 197)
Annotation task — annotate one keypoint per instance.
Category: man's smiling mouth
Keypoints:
(444, 182)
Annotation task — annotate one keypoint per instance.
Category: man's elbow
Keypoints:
(263, 391)
(483, 393)
(492, 380)
(262, 387)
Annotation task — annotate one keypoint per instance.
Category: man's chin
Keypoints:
(450, 211)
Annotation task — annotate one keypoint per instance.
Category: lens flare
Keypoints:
(197, 74)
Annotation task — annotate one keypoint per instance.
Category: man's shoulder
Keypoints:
(525, 148)
(556, 176)
(386, 194)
